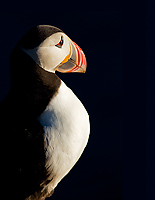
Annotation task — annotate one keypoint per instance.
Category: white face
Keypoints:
(52, 52)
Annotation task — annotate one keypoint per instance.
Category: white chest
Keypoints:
(66, 126)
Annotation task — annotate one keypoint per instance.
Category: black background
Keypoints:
(118, 91)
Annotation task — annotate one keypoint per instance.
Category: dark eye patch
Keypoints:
(60, 44)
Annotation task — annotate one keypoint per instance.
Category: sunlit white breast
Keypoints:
(66, 131)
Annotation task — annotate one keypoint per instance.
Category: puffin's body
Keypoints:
(43, 123)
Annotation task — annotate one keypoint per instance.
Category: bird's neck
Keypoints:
(32, 86)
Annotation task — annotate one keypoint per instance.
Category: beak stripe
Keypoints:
(81, 59)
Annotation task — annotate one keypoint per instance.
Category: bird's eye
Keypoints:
(60, 43)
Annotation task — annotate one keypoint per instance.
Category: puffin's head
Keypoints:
(53, 50)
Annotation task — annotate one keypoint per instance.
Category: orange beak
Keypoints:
(75, 61)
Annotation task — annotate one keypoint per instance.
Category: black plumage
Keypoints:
(37, 35)
(22, 141)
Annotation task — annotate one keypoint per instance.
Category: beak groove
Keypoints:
(77, 67)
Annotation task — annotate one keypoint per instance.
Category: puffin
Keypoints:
(44, 126)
